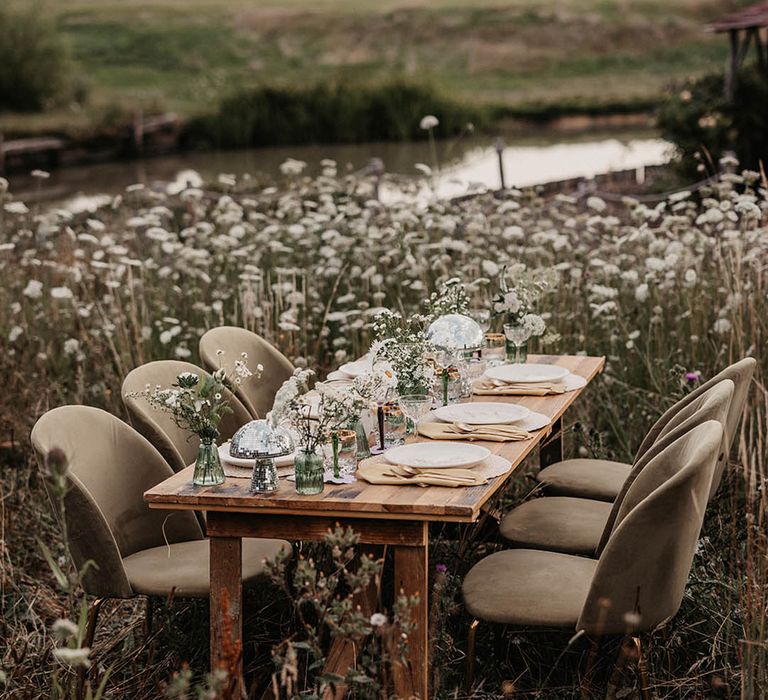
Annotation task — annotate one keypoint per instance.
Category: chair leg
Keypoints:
(90, 632)
(625, 650)
(469, 675)
(585, 686)
(93, 618)
(642, 669)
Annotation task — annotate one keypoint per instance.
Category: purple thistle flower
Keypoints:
(694, 376)
(441, 568)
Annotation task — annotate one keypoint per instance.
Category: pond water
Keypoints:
(463, 163)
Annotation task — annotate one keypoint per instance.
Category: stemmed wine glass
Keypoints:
(518, 335)
(415, 407)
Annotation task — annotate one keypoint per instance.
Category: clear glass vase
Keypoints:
(208, 469)
(308, 467)
(363, 447)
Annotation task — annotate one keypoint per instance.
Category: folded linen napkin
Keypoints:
(490, 433)
(493, 387)
(375, 470)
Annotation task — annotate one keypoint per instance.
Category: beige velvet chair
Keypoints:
(602, 479)
(176, 445)
(582, 525)
(257, 395)
(639, 580)
(136, 550)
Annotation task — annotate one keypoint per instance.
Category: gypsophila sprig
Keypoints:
(402, 344)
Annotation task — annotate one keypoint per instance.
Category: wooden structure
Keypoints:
(393, 516)
(744, 27)
(46, 148)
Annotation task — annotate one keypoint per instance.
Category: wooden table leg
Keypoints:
(226, 567)
(551, 450)
(411, 578)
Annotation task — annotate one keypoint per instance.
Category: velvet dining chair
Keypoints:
(175, 444)
(639, 580)
(602, 479)
(582, 525)
(257, 395)
(136, 550)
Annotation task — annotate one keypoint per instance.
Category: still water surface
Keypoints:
(466, 163)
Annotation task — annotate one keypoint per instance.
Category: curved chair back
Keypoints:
(258, 395)
(640, 577)
(740, 373)
(110, 468)
(713, 404)
(175, 444)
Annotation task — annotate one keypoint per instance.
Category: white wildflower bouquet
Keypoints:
(402, 343)
(338, 408)
(520, 290)
(450, 298)
(198, 403)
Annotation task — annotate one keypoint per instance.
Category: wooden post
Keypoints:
(226, 574)
(499, 146)
(411, 578)
(733, 64)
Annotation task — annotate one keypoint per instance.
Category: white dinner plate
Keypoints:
(357, 368)
(436, 455)
(481, 413)
(526, 374)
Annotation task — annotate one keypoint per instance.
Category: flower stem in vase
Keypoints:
(335, 444)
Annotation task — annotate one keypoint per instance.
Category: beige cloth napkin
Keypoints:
(489, 387)
(376, 470)
(490, 433)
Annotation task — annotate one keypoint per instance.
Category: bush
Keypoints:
(34, 62)
(698, 117)
(329, 113)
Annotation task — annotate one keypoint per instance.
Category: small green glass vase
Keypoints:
(308, 467)
(208, 469)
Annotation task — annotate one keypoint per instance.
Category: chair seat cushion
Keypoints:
(600, 479)
(557, 524)
(185, 566)
(529, 587)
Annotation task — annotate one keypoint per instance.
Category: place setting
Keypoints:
(438, 463)
(523, 379)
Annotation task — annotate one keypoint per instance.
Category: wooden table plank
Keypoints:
(363, 500)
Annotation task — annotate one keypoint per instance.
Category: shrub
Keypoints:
(329, 113)
(34, 61)
(698, 117)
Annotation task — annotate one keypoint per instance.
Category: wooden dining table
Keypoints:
(395, 516)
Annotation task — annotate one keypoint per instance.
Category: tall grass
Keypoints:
(338, 112)
(657, 288)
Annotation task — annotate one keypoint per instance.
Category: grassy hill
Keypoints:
(522, 54)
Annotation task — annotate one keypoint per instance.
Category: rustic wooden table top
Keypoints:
(363, 500)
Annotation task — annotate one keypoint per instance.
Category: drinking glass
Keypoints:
(482, 317)
(415, 407)
(517, 335)
(493, 350)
